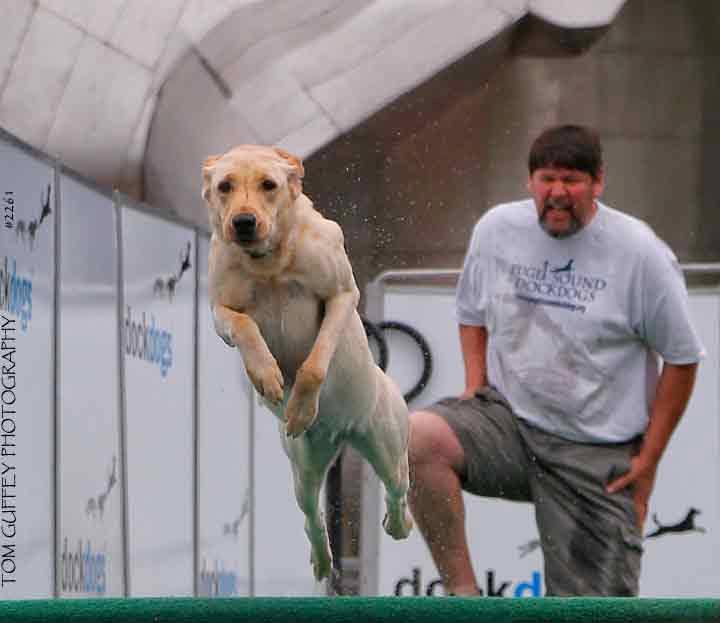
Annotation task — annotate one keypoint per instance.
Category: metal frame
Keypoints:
(252, 413)
(195, 428)
(55, 419)
(120, 274)
(375, 289)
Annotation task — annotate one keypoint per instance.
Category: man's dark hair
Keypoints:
(567, 147)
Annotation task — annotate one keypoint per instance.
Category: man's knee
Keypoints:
(433, 441)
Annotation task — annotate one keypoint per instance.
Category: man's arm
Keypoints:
(473, 342)
(671, 398)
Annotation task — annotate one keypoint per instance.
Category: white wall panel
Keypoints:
(158, 333)
(27, 288)
(224, 502)
(282, 551)
(687, 564)
(90, 552)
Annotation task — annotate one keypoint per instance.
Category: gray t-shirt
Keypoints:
(576, 325)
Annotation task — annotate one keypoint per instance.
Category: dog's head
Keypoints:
(250, 192)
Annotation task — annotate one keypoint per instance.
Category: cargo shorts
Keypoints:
(590, 539)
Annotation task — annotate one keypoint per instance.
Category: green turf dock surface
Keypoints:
(361, 610)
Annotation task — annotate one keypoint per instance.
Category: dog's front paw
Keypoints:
(268, 381)
(302, 407)
(300, 413)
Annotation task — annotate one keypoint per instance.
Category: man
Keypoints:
(564, 306)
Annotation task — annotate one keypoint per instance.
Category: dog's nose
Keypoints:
(244, 225)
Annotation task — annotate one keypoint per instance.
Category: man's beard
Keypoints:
(574, 226)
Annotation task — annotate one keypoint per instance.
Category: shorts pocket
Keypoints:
(632, 539)
(490, 394)
(631, 565)
(617, 469)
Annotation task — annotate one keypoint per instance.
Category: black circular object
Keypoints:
(393, 325)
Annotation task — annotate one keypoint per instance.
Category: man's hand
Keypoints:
(673, 392)
(642, 476)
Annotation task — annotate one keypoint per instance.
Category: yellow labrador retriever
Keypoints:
(282, 291)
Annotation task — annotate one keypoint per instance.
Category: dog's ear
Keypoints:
(297, 171)
(207, 174)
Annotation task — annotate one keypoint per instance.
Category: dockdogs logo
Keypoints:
(15, 292)
(493, 587)
(217, 582)
(148, 342)
(83, 571)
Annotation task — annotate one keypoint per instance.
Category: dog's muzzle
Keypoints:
(245, 226)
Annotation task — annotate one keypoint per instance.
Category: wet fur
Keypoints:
(287, 299)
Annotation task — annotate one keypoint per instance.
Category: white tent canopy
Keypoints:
(81, 79)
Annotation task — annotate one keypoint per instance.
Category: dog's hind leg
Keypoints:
(384, 446)
(309, 465)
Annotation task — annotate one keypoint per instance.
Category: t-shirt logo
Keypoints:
(563, 269)
(555, 285)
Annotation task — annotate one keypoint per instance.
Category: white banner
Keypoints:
(281, 562)
(223, 430)
(282, 551)
(502, 535)
(682, 559)
(27, 240)
(158, 334)
(90, 551)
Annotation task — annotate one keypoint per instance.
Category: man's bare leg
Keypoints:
(436, 459)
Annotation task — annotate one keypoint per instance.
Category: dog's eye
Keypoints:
(269, 185)
(224, 187)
